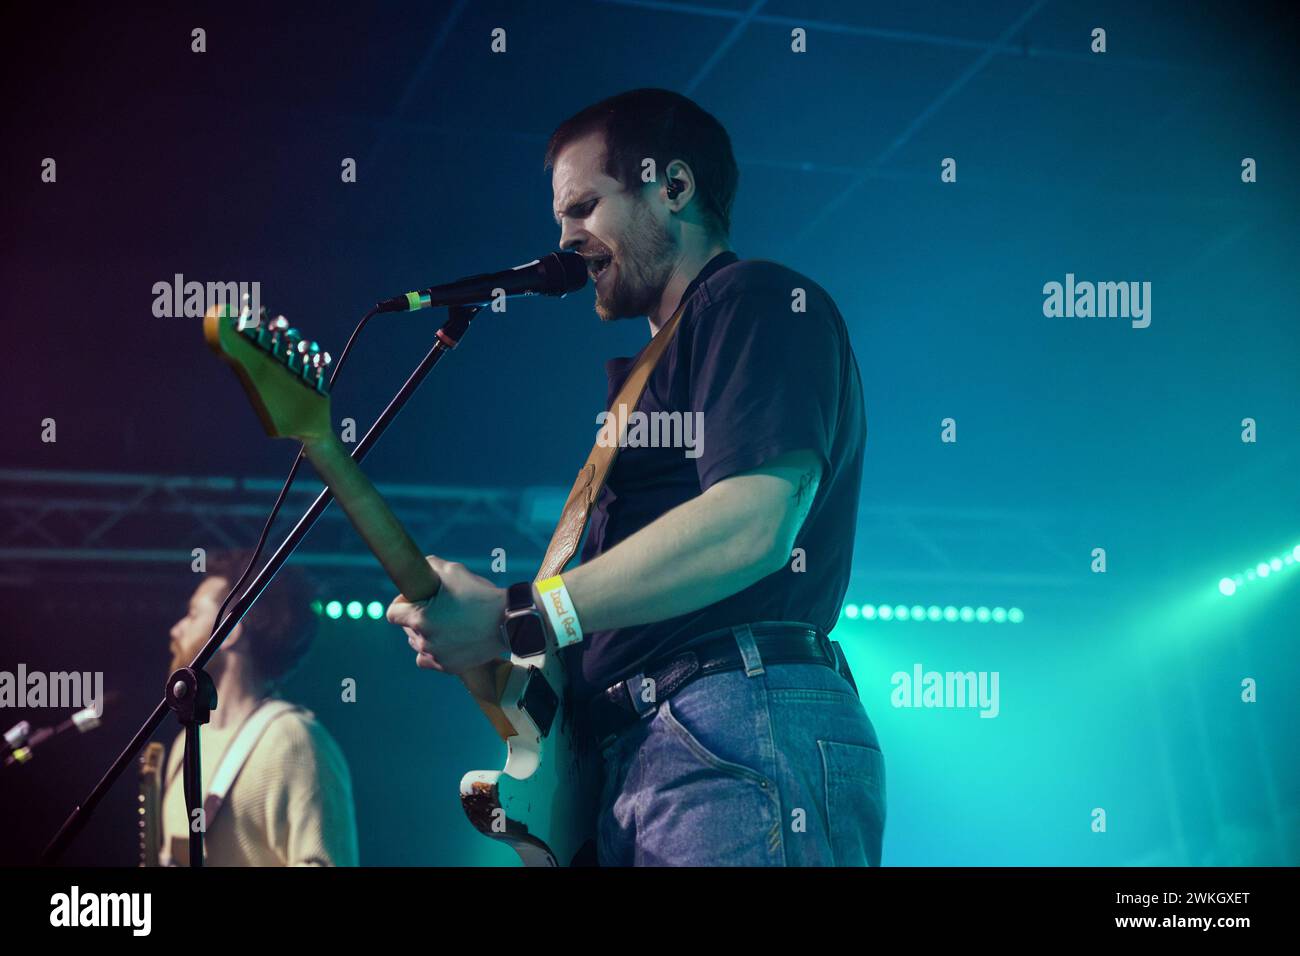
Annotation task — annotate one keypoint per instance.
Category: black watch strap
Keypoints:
(522, 624)
(519, 596)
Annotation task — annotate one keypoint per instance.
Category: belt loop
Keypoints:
(749, 655)
(828, 648)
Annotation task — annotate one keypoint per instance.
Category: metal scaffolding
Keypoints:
(82, 527)
(93, 526)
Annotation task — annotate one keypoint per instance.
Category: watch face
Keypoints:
(527, 636)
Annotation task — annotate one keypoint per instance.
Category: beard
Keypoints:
(179, 659)
(644, 266)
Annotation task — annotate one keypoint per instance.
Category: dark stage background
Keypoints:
(1121, 690)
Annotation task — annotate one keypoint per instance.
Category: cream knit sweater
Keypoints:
(291, 804)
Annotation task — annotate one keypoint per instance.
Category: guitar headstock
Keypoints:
(286, 376)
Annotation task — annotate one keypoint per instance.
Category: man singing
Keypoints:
(711, 575)
(277, 791)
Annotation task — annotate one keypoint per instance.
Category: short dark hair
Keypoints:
(663, 126)
(281, 626)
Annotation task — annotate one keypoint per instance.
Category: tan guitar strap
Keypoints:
(586, 489)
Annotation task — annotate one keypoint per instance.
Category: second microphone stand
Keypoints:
(190, 693)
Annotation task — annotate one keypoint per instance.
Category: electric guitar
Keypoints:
(150, 821)
(542, 803)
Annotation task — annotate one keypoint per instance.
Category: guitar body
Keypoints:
(542, 803)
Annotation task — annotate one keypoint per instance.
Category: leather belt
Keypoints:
(621, 705)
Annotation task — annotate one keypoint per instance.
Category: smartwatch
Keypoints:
(522, 625)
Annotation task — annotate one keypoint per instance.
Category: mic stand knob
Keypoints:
(192, 696)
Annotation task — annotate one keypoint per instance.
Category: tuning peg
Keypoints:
(270, 330)
(320, 363)
(289, 349)
(306, 349)
(277, 327)
(249, 323)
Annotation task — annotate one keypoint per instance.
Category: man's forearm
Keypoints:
(685, 560)
(700, 552)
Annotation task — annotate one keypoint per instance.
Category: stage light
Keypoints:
(355, 610)
(334, 610)
(932, 612)
(1231, 584)
(375, 609)
(317, 607)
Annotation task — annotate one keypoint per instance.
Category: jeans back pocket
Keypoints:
(854, 777)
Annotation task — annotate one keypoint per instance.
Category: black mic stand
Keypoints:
(190, 692)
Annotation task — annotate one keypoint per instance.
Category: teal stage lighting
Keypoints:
(1230, 585)
(933, 613)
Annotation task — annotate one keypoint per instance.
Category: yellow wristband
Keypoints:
(559, 611)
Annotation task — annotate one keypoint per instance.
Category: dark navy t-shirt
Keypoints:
(768, 379)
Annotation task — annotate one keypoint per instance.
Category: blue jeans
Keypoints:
(765, 766)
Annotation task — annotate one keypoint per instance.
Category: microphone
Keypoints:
(21, 741)
(556, 274)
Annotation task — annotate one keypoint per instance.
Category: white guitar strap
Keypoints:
(233, 761)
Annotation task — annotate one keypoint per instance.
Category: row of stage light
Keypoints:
(356, 610)
(948, 615)
(374, 610)
(1264, 569)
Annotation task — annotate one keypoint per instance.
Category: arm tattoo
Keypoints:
(805, 483)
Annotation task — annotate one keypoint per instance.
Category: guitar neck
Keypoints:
(400, 557)
(383, 534)
(151, 765)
